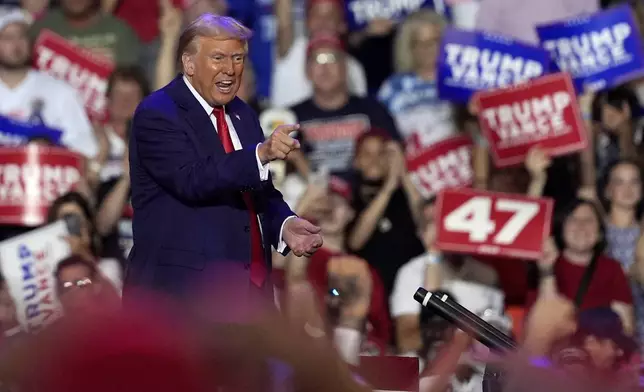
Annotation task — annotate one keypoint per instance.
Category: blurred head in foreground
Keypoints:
(82, 289)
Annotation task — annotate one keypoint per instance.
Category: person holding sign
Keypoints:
(411, 94)
(201, 189)
(575, 254)
(30, 95)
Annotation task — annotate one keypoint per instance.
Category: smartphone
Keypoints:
(73, 223)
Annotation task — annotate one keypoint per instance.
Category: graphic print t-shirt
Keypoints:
(421, 117)
(328, 137)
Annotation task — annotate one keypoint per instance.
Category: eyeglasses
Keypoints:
(81, 283)
(326, 58)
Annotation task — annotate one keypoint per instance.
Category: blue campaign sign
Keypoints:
(361, 12)
(471, 61)
(15, 133)
(599, 50)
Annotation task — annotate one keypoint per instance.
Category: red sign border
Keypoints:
(52, 150)
(556, 151)
(60, 40)
(475, 249)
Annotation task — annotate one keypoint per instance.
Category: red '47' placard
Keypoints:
(542, 112)
(487, 223)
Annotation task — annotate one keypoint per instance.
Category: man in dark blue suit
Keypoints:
(201, 190)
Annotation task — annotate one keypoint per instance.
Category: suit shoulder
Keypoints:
(159, 100)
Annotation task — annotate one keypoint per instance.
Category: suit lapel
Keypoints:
(241, 124)
(201, 128)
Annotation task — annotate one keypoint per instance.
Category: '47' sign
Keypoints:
(486, 223)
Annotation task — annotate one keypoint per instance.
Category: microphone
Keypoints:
(465, 320)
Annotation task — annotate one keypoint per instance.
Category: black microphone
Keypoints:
(465, 320)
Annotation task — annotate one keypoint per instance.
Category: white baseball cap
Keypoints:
(10, 15)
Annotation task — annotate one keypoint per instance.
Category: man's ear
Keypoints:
(188, 64)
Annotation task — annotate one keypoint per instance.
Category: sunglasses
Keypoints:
(326, 58)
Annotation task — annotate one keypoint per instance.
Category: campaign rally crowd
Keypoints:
(491, 150)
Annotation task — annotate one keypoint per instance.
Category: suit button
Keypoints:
(247, 229)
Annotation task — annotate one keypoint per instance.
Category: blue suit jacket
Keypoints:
(187, 192)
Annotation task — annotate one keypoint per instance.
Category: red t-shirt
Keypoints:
(143, 16)
(608, 284)
(378, 317)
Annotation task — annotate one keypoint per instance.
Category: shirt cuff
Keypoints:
(264, 170)
(281, 245)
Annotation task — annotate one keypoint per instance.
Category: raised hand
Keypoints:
(537, 162)
(170, 20)
(279, 144)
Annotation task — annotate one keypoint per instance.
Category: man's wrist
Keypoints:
(261, 154)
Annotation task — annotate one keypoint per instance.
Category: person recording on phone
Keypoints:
(350, 291)
(83, 239)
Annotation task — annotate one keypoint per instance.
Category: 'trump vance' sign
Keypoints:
(600, 50)
(361, 12)
(28, 263)
(471, 61)
(446, 164)
(31, 178)
(83, 70)
(540, 112)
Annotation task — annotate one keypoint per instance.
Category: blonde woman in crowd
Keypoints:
(411, 94)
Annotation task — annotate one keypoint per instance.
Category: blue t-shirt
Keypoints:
(258, 15)
(421, 117)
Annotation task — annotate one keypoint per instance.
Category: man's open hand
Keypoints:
(302, 237)
(279, 144)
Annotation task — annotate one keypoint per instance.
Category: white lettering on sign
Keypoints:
(591, 51)
(91, 86)
(34, 182)
(529, 120)
(474, 217)
(484, 68)
(452, 169)
(365, 11)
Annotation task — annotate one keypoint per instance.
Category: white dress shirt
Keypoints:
(264, 170)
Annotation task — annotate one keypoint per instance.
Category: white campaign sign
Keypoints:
(28, 263)
(474, 217)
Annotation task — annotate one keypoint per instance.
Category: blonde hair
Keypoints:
(403, 58)
(212, 26)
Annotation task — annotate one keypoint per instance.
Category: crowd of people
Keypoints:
(365, 99)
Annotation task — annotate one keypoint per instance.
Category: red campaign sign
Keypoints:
(446, 164)
(390, 373)
(31, 178)
(542, 111)
(87, 72)
(487, 223)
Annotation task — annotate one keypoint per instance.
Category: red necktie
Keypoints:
(257, 265)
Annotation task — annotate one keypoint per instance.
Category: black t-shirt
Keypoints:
(394, 241)
(118, 243)
(376, 56)
(328, 137)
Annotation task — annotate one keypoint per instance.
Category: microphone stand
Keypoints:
(473, 325)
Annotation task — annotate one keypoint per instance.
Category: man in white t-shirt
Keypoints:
(290, 84)
(29, 95)
(472, 284)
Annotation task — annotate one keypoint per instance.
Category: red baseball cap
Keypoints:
(324, 40)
